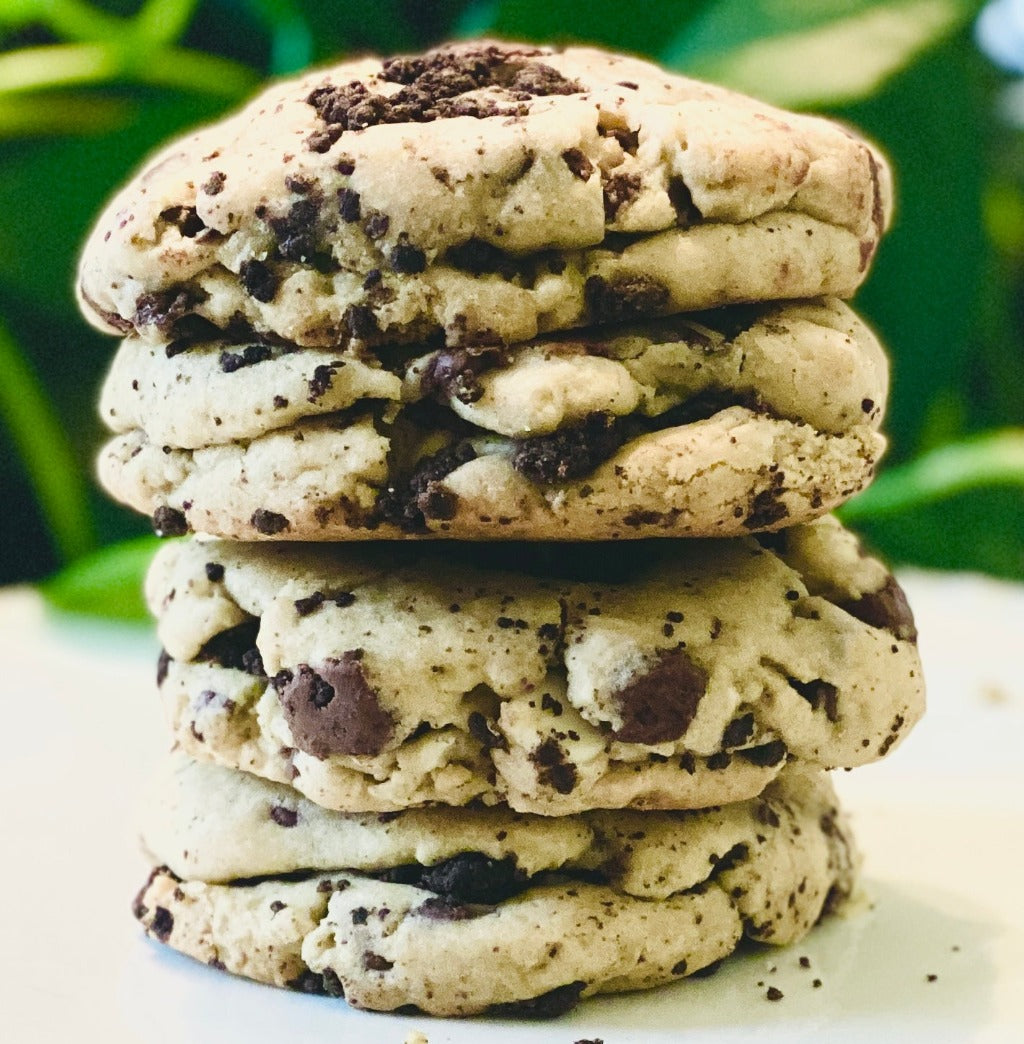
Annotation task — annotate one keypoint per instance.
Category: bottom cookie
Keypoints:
(634, 900)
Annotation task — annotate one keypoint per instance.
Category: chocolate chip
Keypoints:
(657, 707)
(479, 257)
(169, 522)
(738, 731)
(454, 372)
(325, 984)
(408, 505)
(320, 382)
(269, 523)
(295, 231)
(570, 453)
(576, 160)
(819, 693)
(186, 219)
(360, 322)
(679, 968)
(679, 196)
(165, 308)
(481, 730)
(443, 908)
(163, 663)
(305, 606)
(469, 877)
(736, 855)
(886, 609)
(286, 817)
(162, 924)
(228, 648)
(554, 769)
(214, 572)
(214, 184)
(407, 259)
(619, 190)
(376, 225)
(766, 755)
(547, 1006)
(331, 709)
(774, 993)
(374, 962)
(258, 280)
(627, 297)
(252, 354)
(766, 508)
(348, 205)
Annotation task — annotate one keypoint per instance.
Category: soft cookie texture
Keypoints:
(556, 678)
(713, 424)
(459, 912)
(482, 193)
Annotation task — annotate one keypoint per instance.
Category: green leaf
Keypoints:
(107, 583)
(812, 54)
(990, 459)
(55, 114)
(45, 452)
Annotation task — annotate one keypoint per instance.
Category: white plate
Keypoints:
(941, 823)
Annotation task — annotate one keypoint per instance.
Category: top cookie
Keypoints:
(490, 191)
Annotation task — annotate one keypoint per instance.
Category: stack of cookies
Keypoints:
(509, 388)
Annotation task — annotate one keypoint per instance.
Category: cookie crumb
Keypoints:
(774, 994)
(415, 1037)
(931, 977)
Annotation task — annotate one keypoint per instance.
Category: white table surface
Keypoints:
(941, 823)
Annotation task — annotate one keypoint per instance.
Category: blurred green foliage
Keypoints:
(88, 88)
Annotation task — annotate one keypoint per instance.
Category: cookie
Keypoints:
(719, 423)
(458, 912)
(483, 192)
(556, 678)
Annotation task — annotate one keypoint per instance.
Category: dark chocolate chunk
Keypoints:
(479, 257)
(576, 160)
(320, 382)
(331, 708)
(164, 308)
(411, 503)
(774, 993)
(469, 877)
(679, 196)
(443, 908)
(214, 572)
(360, 322)
(188, 222)
(286, 817)
(819, 693)
(481, 730)
(162, 924)
(228, 648)
(258, 280)
(269, 523)
(296, 231)
(252, 354)
(764, 756)
(169, 522)
(736, 855)
(453, 373)
(886, 609)
(657, 707)
(374, 962)
(628, 297)
(305, 606)
(738, 731)
(766, 508)
(326, 984)
(214, 184)
(547, 1006)
(348, 205)
(554, 769)
(163, 662)
(406, 258)
(619, 190)
(570, 453)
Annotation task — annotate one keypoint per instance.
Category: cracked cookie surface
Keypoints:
(717, 423)
(408, 910)
(555, 678)
(483, 192)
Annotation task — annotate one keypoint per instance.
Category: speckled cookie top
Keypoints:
(355, 180)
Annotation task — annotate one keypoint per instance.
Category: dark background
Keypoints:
(86, 90)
